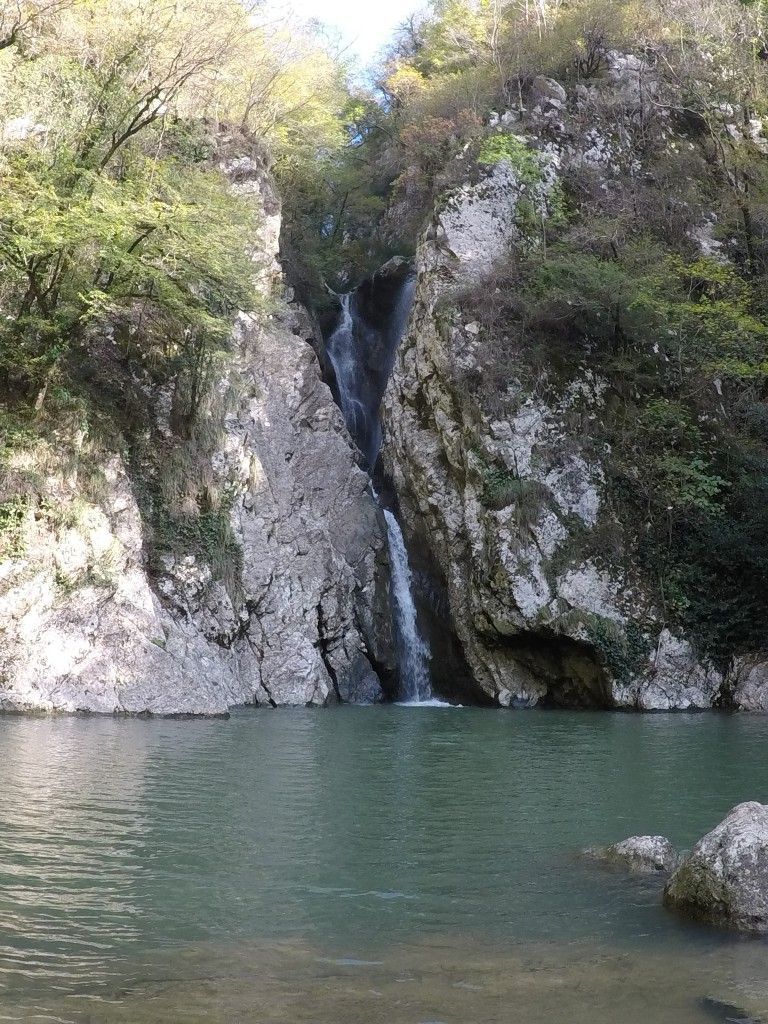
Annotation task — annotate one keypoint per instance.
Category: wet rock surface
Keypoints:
(639, 854)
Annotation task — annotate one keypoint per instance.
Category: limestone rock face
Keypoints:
(749, 685)
(477, 223)
(678, 679)
(108, 645)
(724, 879)
(85, 625)
(544, 596)
(639, 854)
(314, 551)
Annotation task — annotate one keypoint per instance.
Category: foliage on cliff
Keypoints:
(112, 205)
(651, 275)
(125, 252)
(450, 66)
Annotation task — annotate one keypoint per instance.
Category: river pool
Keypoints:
(398, 865)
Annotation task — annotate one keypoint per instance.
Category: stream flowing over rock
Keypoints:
(308, 619)
(724, 879)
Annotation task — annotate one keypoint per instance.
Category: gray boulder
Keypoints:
(724, 879)
(640, 854)
(548, 92)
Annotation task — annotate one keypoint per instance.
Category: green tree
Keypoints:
(112, 209)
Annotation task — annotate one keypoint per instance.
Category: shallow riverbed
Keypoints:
(401, 865)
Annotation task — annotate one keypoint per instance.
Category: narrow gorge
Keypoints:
(361, 354)
(451, 386)
(522, 588)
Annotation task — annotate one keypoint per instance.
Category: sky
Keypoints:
(366, 25)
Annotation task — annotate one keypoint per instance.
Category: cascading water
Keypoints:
(415, 654)
(362, 357)
(342, 352)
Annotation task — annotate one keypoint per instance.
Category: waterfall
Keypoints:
(414, 651)
(362, 356)
(343, 354)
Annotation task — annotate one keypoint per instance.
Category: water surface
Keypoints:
(402, 865)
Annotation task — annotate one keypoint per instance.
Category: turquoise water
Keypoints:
(393, 864)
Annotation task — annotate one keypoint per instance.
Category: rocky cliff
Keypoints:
(96, 617)
(545, 589)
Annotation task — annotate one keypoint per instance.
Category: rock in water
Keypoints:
(640, 854)
(726, 1013)
(724, 879)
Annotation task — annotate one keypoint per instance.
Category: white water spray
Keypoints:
(415, 654)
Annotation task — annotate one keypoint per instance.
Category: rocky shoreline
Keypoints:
(721, 882)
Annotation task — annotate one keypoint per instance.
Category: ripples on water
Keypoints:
(394, 864)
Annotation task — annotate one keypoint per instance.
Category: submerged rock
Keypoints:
(640, 854)
(724, 879)
(727, 1013)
